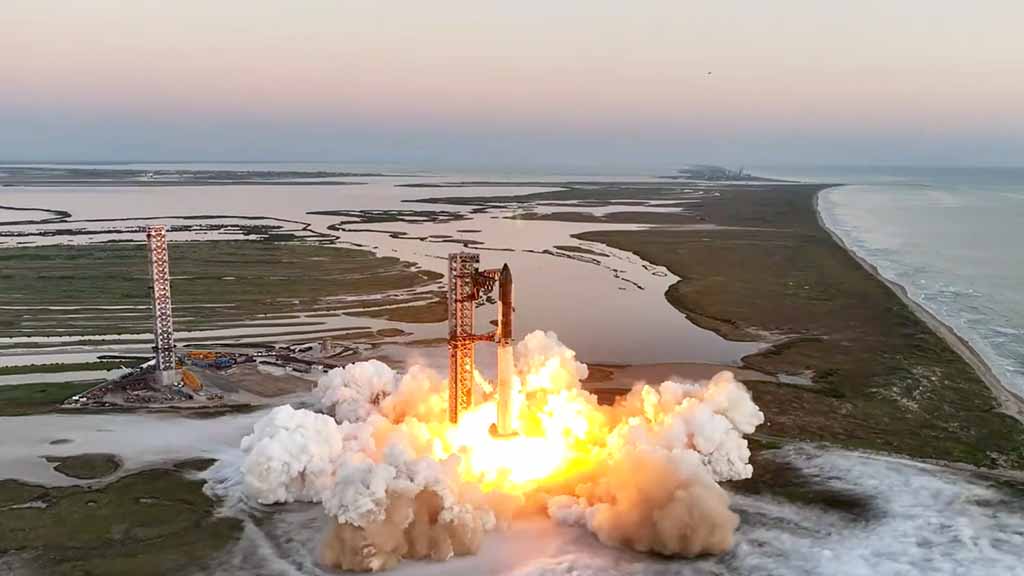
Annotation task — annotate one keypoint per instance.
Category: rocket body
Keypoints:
(505, 390)
(505, 361)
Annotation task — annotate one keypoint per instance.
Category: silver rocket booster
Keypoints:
(505, 362)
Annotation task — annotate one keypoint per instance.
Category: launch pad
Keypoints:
(468, 285)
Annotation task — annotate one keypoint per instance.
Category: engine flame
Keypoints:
(554, 442)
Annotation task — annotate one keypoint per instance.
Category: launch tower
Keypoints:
(466, 285)
(163, 329)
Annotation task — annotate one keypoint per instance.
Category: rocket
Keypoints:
(505, 363)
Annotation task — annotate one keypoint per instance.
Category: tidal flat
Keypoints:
(101, 290)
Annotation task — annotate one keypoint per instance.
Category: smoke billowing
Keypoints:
(397, 480)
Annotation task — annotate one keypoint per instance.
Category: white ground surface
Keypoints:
(139, 439)
(924, 519)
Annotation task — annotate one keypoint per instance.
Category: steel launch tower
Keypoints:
(163, 328)
(466, 285)
(462, 295)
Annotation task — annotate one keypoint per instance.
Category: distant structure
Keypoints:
(326, 347)
(462, 293)
(466, 285)
(163, 328)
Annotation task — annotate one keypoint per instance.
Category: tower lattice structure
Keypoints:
(461, 300)
(466, 284)
(163, 328)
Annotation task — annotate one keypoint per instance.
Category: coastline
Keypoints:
(884, 377)
(1010, 403)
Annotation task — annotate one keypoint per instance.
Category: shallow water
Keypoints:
(138, 439)
(611, 307)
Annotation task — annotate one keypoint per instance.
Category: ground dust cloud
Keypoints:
(397, 480)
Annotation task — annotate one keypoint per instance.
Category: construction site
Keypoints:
(206, 376)
(226, 375)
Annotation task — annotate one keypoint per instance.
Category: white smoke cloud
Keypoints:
(709, 419)
(399, 481)
(684, 437)
(653, 500)
(352, 392)
(421, 395)
(291, 455)
(540, 350)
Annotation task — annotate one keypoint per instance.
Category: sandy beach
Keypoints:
(1012, 404)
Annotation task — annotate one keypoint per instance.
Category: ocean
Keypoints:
(953, 237)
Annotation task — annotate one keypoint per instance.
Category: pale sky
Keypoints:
(526, 81)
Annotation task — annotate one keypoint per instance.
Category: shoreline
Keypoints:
(886, 378)
(1010, 402)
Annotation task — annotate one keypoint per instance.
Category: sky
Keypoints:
(644, 83)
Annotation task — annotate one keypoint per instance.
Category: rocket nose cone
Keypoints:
(506, 272)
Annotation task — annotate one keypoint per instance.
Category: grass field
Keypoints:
(24, 399)
(882, 379)
(68, 367)
(150, 522)
(103, 289)
(86, 466)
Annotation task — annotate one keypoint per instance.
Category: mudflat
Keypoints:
(217, 285)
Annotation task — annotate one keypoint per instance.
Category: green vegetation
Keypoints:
(86, 466)
(216, 284)
(577, 250)
(576, 194)
(434, 311)
(69, 367)
(23, 399)
(882, 379)
(353, 217)
(67, 176)
(624, 217)
(195, 464)
(151, 522)
(14, 493)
